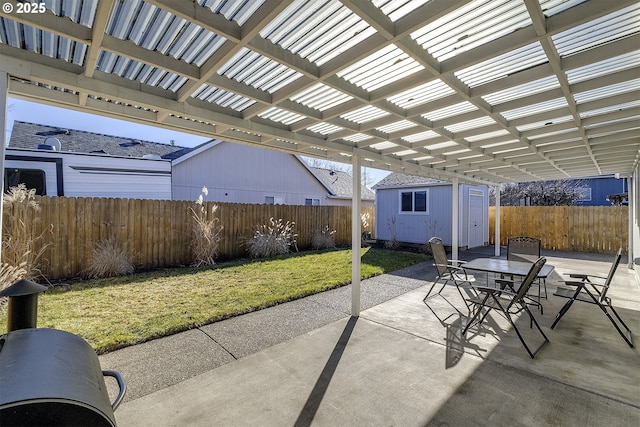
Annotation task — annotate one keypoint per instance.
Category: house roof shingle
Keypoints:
(340, 184)
(29, 135)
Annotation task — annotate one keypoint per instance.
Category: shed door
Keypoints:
(476, 219)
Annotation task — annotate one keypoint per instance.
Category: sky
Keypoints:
(26, 111)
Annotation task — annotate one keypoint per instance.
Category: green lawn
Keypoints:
(114, 313)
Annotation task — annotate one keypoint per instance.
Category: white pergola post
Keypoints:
(631, 205)
(355, 237)
(497, 222)
(455, 219)
(4, 95)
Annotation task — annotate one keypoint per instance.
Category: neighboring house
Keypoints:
(245, 174)
(340, 185)
(593, 191)
(597, 189)
(68, 162)
(412, 209)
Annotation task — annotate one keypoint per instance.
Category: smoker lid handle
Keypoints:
(121, 384)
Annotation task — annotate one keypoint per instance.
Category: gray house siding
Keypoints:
(418, 228)
(243, 174)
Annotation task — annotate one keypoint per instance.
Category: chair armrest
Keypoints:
(574, 283)
(491, 289)
(456, 261)
(455, 267)
(582, 276)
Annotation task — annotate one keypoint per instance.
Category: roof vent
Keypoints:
(152, 157)
(52, 144)
(131, 143)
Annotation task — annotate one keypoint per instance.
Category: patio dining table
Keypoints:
(505, 267)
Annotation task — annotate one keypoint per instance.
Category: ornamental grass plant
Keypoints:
(206, 232)
(22, 246)
(275, 239)
(108, 259)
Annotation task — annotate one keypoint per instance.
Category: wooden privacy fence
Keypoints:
(157, 233)
(601, 229)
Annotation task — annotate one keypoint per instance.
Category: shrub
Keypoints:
(274, 239)
(323, 239)
(392, 243)
(108, 259)
(207, 231)
(22, 248)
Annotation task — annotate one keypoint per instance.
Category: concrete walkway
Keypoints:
(309, 363)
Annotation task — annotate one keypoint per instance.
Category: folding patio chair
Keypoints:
(593, 293)
(508, 302)
(449, 271)
(524, 248)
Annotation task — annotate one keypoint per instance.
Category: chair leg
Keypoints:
(476, 313)
(627, 337)
(433, 286)
(566, 306)
(533, 320)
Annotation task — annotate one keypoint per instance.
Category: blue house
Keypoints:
(597, 188)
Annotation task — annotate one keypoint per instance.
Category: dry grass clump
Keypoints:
(108, 259)
(207, 232)
(22, 247)
(323, 239)
(272, 240)
(10, 274)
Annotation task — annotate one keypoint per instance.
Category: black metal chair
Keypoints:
(508, 302)
(585, 290)
(523, 245)
(449, 271)
(527, 249)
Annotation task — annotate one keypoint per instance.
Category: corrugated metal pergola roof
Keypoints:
(485, 90)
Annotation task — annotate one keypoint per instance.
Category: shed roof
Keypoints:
(482, 90)
(396, 179)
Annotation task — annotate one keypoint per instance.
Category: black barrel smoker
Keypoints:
(49, 377)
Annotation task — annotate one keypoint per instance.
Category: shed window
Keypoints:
(413, 201)
(420, 198)
(407, 202)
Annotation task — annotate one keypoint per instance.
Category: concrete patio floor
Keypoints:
(309, 363)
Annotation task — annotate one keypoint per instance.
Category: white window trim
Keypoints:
(413, 192)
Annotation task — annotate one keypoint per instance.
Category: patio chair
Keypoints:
(585, 290)
(523, 245)
(523, 248)
(508, 302)
(448, 272)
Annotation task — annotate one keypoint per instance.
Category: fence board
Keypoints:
(601, 229)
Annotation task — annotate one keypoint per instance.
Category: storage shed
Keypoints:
(412, 209)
